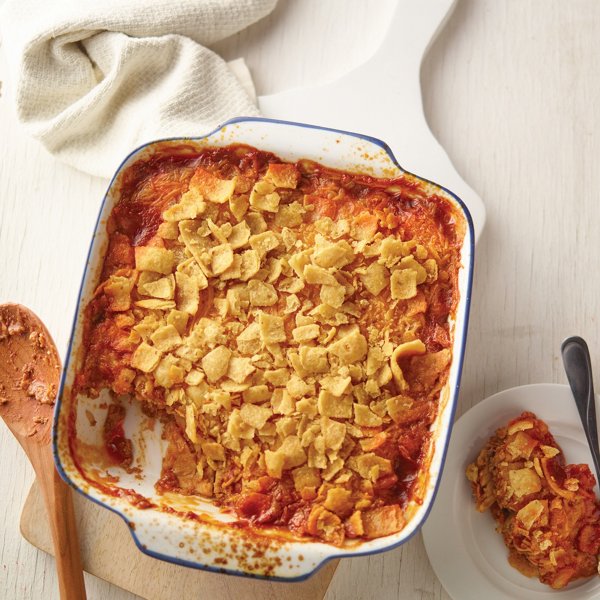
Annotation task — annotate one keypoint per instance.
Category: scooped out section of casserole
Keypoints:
(291, 326)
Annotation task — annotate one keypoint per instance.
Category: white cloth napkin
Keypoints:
(93, 79)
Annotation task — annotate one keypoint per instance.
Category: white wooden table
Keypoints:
(512, 91)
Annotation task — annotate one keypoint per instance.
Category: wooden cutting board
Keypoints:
(108, 551)
(382, 98)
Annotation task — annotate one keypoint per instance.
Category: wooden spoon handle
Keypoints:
(59, 505)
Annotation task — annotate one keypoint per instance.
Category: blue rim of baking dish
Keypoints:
(454, 397)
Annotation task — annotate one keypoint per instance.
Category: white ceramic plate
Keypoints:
(467, 554)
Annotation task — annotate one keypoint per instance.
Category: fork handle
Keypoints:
(576, 358)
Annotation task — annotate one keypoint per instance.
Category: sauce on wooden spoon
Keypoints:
(29, 373)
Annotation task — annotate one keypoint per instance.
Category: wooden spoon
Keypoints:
(29, 377)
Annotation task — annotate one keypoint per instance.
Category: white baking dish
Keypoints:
(211, 543)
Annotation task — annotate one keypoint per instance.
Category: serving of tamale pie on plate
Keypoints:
(464, 540)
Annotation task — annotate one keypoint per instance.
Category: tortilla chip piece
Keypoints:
(213, 450)
(307, 406)
(188, 293)
(297, 387)
(277, 377)
(189, 206)
(152, 258)
(145, 358)
(237, 300)
(375, 360)
(365, 417)
(145, 277)
(549, 451)
(274, 461)
(272, 330)
(318, 275)
(431, 268)
(239, 428)
(166, 338)
(291, 285)
(221, 258)
(163, 288)
(282, 175)
(531, 512)
(212, 187)
(371, 467)
(333, 254)
(216, 363)
(239, 236)
(256, 394)
(334, 433)
(412, 348)
(339, 501)
(336, 384)
(333, 295)
(398, 406)
(238, 205)
(234, 271)
(118, 289)
(197, 245)
(193, 269)
(403, 284)
(299, 261)
(250, 264)
(240, 368)
(522, 445)
(305, 333)
(256, 222)
(329, 405)
(382, 521)
(392, 250)
(313, 359)
(306, 477)
(409, 262)
(264, 242)
(156, 304)
(364, 226)
(524, 481)
(281, 402)
(194, 377)
(220, 233)
(286, 426)
(255, 416)
(340, 228)
(250, 341)
(168, 231)
(179, 320)
(190, 423)
(261, 294)
(350, 348)
(375, 278)
(289, 215)
(425, 370)
(168, 372)
(293, 453)
(260, 199)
